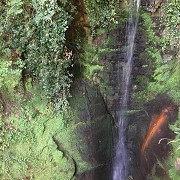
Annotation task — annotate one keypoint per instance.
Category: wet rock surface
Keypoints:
(97, 173)
(158, 147)
(99, 109)
(96, 131)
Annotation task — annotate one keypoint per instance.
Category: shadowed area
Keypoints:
(155, 147)
(154, 126)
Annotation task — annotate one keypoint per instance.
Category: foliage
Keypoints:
(101, 13)
(165, 72)
(171, 20)
(167, 80)
(164, 76)
(90, 60)
(36, 140)
(9, 75)
(168, 164)
(173, 173)
(152, 57)
(35, 32)
(27, 147)
(148, 26)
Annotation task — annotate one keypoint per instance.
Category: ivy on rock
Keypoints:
(34, 31)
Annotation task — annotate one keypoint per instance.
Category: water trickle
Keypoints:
(121, 161)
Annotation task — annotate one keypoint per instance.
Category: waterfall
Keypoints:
(121, 161)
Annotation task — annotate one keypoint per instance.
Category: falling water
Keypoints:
(120, 168)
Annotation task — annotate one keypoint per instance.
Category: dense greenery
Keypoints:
(27, 147)
(165, 67)
(173, 172)
(101, 13)
(34, 32)
(34, 88)
(30, 139)
(38, 128)
(162, 54)
(169, 17)
(166, 72)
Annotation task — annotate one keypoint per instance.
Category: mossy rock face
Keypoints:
(34, 154)
(41, 143)
(89, 139)
(25, 163)
(28, 149)
(158, 148)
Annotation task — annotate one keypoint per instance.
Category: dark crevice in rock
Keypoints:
(98, 132)
(138, 126)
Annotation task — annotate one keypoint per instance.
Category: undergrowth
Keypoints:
(35, 142)
(164, 76)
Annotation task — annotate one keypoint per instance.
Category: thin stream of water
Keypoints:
(120, 167)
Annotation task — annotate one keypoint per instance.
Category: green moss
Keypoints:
(101, 13)
(28, 149)
(72, 141)
(164, 78)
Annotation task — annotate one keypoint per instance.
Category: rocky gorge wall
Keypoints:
(95, 133)
(38, 140)
(102, 109)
